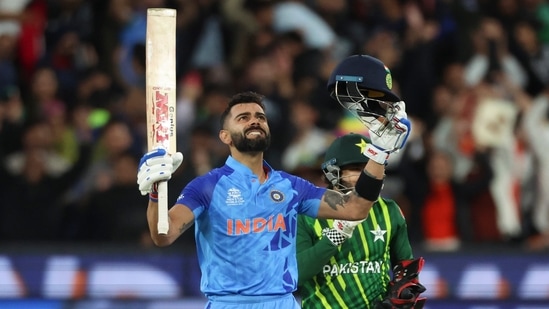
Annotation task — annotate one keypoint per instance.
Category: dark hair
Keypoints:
(242, 97)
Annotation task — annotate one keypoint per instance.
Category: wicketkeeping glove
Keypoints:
(388, 137)
(155, 166)
(404, 290)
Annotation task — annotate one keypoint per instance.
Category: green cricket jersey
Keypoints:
(355, 274)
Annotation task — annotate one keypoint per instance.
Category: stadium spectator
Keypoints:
(60, 59)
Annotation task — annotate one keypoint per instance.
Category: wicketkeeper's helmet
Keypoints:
(344, 150)
(362, 84)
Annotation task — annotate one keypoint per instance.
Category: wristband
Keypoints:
(153, 195)
(368, 187)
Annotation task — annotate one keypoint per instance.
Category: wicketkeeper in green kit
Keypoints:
(359, 264)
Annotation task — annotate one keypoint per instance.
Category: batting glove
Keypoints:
(342, 230)
(155, 166)
(392, 138)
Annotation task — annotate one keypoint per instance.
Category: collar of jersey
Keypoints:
(243, 169)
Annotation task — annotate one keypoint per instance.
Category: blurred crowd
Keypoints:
(474, 75)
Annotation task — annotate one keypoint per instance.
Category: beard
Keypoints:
(244, 144)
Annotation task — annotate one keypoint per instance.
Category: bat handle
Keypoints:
(163, 224)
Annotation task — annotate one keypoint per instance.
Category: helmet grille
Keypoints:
(349, 95)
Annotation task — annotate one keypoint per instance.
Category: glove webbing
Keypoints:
(334, 236)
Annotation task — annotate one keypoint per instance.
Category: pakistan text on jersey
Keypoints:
(360, 267)
(256, 225)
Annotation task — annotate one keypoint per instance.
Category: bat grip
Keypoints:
(163, 224)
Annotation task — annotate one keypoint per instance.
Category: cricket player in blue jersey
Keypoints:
(245, 212)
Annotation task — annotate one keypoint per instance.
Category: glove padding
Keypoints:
(388, 137)
(394, 137)
(404, 290)
(346, 228)
(341, 231)
(155, 166)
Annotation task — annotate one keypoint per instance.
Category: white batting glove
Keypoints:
(155, 166)
(341, 231)
(346, 228)
(392, 139)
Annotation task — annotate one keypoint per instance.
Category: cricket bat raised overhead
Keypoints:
(160, 92)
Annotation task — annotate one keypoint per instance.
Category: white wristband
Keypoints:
(376, 154)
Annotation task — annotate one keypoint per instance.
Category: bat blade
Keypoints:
(161, 93)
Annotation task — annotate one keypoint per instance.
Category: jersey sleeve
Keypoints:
(310, 196)
(312, 252)
(197, 194)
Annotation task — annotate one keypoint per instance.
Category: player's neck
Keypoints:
(254, 161)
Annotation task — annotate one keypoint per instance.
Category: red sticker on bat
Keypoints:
(163, 127)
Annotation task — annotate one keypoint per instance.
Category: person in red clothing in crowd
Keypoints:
(445, 212)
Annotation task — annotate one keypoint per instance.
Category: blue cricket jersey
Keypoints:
(246, 231)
